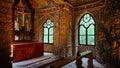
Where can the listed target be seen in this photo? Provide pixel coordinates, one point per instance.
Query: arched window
(86, 30)
(48, 31)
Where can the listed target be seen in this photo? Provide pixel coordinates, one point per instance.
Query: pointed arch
(86, 30)
(48, 31)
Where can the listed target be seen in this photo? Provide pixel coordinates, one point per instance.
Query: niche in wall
(23, 21)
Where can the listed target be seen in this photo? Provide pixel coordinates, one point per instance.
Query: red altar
(24, 51)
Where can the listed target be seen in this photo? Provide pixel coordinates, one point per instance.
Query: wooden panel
(24, 51)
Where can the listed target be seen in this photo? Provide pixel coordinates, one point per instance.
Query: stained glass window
(87, 30)
(48, 31)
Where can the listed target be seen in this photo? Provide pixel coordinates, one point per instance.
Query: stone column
(6, 32)
(65, 33)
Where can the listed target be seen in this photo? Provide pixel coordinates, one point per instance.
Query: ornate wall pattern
(99, 3)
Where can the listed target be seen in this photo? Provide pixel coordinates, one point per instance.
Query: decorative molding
(46, 11)
(100, 3)
(80, 2)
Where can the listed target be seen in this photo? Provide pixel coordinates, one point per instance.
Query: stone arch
(41, 23)
(78, 20)
(80, 16)
(55, 19)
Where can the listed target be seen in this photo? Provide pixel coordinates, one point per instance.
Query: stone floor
(36, 62)
(47, 59)
(96, 64)
(84, 64)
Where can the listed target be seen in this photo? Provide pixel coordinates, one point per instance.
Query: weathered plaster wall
(62, 19)
(66, 27)
(41, 17)
(6, 33)
(109, 16)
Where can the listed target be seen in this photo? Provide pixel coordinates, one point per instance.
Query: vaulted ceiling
(42, 3)
(80, 2)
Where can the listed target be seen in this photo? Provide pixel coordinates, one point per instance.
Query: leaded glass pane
(48, 22)
(92, 21)
(91, 40)
(45, 30)
(51, 24)
(81, 22)
(50, 39)
(87, 26)
(45, 25)
(82, 39)
(86, 18)
(82, 30)
(48, 28)
(91, 30)
(45, 39)
(51, 31)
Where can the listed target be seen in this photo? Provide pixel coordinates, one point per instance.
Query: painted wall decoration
(22, 22)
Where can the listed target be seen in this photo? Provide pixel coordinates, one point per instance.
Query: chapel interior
(68, 29)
